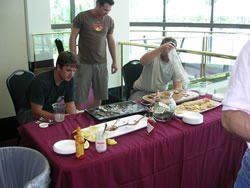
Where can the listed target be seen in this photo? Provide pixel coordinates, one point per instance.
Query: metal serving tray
(116, 110)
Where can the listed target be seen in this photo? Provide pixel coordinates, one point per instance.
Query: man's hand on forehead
(173, 44)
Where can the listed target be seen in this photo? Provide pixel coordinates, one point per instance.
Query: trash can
(23, 167)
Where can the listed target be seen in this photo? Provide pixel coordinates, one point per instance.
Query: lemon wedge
(94, 128)
(111, 142)
(91, 137)
(86, 144)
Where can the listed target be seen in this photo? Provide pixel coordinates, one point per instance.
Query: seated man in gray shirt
(50, 87)
(159, 69)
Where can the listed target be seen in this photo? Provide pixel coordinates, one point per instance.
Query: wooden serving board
(179, 96)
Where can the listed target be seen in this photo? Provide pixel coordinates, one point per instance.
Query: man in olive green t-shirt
(93, 27)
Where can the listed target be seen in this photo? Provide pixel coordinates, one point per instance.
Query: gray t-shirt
(155, 75)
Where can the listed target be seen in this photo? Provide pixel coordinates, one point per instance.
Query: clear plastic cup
(202, 88)
(59, 111)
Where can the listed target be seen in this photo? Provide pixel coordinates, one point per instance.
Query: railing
(44, 47)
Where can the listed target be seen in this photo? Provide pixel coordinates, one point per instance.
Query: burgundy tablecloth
(177, 155)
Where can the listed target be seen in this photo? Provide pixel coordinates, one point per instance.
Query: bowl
(192, 118)
(43, 125)
(164, 117)
(218, 97)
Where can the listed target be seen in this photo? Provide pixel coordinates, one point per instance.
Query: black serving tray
(116, 110)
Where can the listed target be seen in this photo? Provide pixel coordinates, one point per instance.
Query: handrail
(210, 32)
(47, 33)
(183, 50)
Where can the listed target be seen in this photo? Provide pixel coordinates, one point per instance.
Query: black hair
(102, 2)
(169, 39)
(67, 58)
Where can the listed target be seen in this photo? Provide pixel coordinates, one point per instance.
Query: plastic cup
(100, 142)
(59, 111)
(202, 88)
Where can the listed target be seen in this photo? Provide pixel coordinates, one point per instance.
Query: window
(192, 11)
(146, 10)
(60, 12)
(82, 5)
(232, 12)
(63, 11)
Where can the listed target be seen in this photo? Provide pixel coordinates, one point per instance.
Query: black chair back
(17, 83)
(59, 45)
(131, 72)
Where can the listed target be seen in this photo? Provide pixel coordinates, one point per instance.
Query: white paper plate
(218, 97)
(192, 118)
(65, 147)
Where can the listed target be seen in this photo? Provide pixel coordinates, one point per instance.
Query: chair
(23, 167)
(59, 45)
(131, 72)
(17, 83)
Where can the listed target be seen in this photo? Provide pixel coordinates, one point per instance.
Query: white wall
(120, 14)
(13, 48)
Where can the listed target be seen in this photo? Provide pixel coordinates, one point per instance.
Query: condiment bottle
(151, 123)
(157, 93)
(79, 144)
(156, 99)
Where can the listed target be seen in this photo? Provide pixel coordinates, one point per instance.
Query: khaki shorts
(88, 74)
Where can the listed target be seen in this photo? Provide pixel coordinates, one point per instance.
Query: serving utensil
(115, 127)
(105, 127)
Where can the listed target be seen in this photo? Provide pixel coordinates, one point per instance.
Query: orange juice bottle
(79, 144)
(157, 93)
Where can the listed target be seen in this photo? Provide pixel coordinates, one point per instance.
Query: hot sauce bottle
(157, 93)
(150, 123)
(79, 144)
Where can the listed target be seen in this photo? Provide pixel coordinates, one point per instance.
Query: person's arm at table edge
(237, 122)
(112, 50)
(37, 112)
(70, 107)
(177, 85)
(72, 40)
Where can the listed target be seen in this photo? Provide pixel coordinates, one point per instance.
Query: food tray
(178, 95)
(216, 104)
(89, 132)
(116, 110)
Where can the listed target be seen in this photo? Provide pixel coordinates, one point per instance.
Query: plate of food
(201, 105)
(117, 127)
(178, 95)
(116, 110)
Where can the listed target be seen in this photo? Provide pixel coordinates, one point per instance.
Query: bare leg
(96, 102)
(78, 106)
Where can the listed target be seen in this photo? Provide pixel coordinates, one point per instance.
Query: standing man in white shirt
(236, 110)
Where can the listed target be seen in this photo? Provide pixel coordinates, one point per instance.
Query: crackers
(195, 106)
